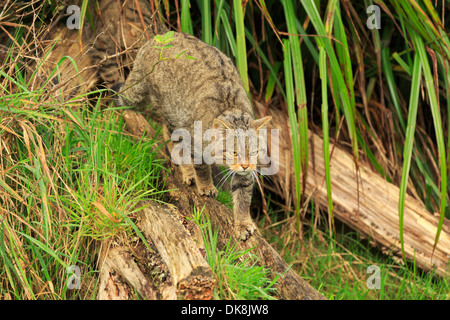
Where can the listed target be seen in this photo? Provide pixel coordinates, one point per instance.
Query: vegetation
(70, 176)
(337, 266)
(238, 274)
(67, 184)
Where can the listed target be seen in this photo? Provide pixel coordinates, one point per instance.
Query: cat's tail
(130, 94)
(117, 31)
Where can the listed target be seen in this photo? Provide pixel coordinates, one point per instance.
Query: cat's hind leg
(187, 170)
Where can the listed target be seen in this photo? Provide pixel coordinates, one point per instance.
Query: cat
(208, 89)
(118, 30)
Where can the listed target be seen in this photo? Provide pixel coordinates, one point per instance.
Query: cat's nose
(244, 166)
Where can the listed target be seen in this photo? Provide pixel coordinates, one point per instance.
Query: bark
(119, 260)
(190, 273)
(191, 277)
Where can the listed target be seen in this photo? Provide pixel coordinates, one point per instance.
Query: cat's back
(207, 59)
(209, 79)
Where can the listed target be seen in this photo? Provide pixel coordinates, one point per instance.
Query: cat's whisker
(257, 180)
(224, 178)
(222, 181)
(264, 176)
(222, 172)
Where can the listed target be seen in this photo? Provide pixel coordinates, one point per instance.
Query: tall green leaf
(299, 80)
(338, 78)
(409, 141)
(186, 23)
(290, 101)
(241, 54)
(323, 67)
(206, 22)
(435, 111)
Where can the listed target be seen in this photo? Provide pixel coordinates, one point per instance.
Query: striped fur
(208, 89)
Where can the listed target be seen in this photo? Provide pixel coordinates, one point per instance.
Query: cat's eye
(254, 153)
(233, 153)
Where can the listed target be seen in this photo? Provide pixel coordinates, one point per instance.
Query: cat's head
(243, 140)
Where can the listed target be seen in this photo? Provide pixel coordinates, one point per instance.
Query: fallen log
(191, 275)
(119, 260)
(362, 199)
(290, 285)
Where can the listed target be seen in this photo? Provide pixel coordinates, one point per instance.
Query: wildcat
(206, 89)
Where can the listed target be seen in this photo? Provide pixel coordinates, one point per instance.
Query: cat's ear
(261, 123)
(220, 124)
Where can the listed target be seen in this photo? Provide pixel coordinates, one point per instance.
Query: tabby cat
(209, 90)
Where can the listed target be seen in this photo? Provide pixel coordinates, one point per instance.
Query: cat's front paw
(208, 190)
(189, 179)
(245, 230)
(187, 173)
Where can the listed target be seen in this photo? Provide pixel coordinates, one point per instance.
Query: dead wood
(191, 277)
(118, 261)
(362, 199)
(290, 285)
(190, 273)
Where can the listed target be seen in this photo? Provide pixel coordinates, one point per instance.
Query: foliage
(370, 78)
(238, 274)
(68, 175)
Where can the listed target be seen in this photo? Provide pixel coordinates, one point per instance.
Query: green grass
(294, 127)
(238, 275)
(70, 178)
(241, 54)
(225, 197)
(300, 115)
(337, 266)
